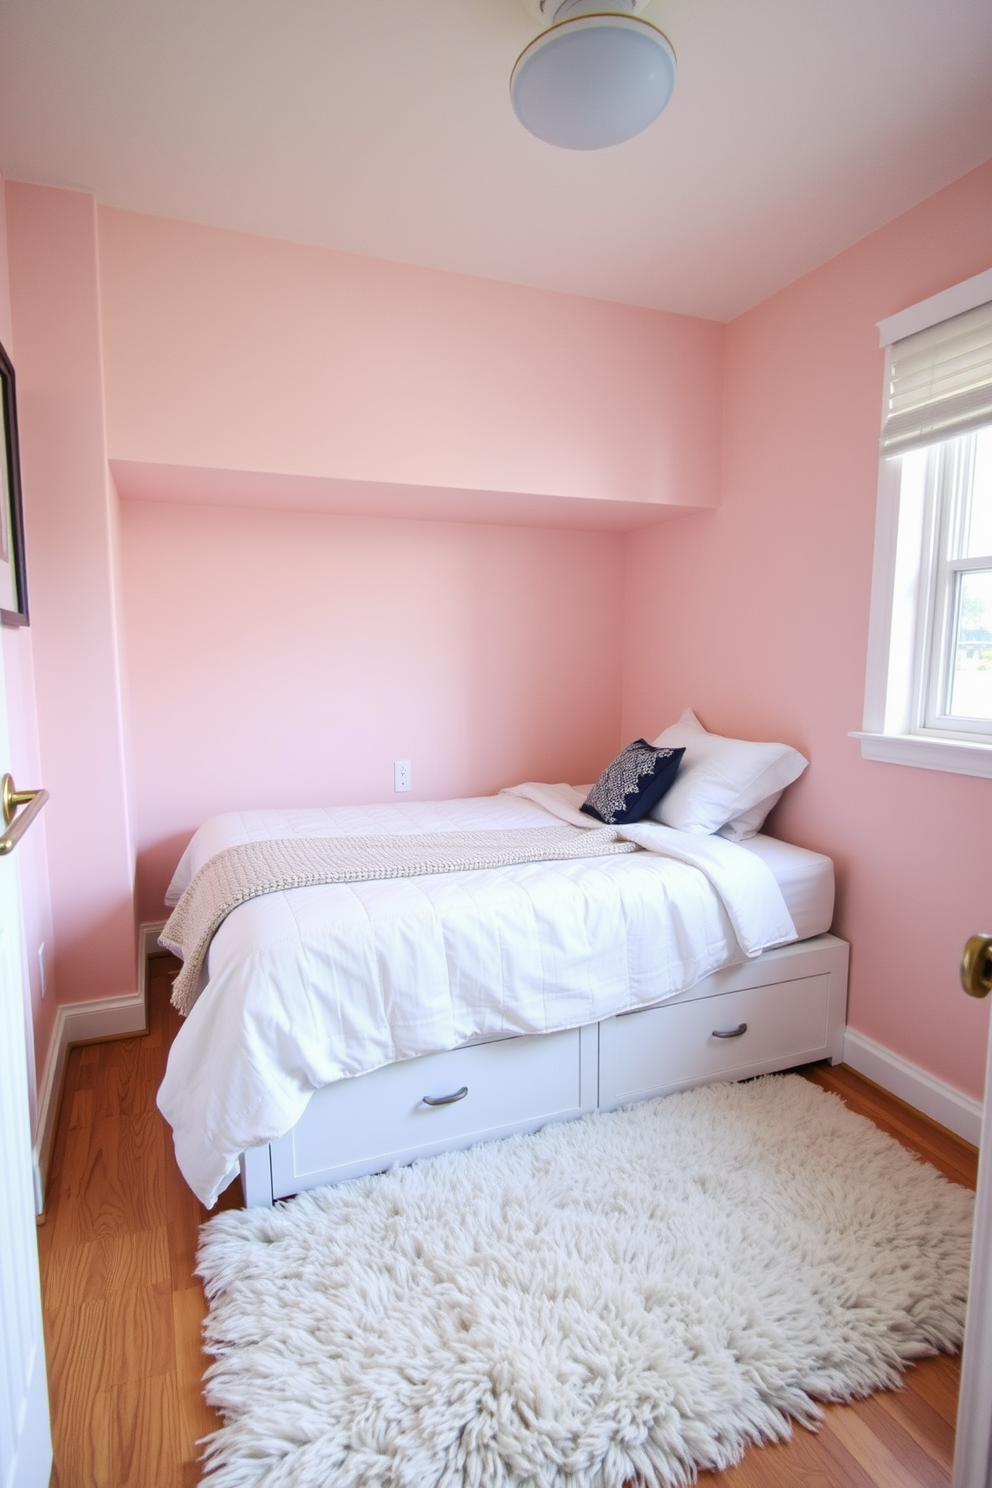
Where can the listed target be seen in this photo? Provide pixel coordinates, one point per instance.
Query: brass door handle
(976, 966)
(10, 799)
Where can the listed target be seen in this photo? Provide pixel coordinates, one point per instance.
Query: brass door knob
(976, 966)
(11, 798)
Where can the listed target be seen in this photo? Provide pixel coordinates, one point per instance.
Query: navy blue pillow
(634, 782)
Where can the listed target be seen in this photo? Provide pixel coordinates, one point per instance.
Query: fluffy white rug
(630, 1296)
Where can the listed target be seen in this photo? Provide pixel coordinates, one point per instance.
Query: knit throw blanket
(241, 873)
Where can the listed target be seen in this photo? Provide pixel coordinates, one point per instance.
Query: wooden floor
(123, 1308)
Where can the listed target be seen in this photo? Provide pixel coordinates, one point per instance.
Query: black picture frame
(13, 572)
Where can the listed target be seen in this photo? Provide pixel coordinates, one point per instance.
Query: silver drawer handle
(730, 1032)
(446, 1100)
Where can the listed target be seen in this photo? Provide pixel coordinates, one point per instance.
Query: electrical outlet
(41, 968)
(402, 775)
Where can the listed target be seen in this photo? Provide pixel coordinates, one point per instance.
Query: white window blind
(940, 382)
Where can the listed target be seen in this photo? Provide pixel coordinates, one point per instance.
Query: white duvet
(312, 985)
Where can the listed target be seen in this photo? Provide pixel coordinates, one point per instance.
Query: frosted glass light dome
(593, 81)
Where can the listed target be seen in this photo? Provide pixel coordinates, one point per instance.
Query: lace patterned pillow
(632, 783)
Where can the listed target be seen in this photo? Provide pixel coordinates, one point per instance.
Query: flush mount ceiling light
(599, 75)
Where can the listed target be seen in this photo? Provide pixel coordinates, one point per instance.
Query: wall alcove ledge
(138, 480)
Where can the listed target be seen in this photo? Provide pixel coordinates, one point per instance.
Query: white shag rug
(634, 1296)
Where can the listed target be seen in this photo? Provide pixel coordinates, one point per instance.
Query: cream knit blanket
(241, 873)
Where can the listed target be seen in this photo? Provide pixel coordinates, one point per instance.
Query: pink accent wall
(25, 762)
(274, 414)
(288, 658)
(231, 352)
(763, 605)
(70, 517)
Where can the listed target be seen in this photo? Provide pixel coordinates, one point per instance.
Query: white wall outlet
(402, 775)
(41, 969)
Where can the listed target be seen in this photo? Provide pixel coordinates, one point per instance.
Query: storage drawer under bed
(727, 1037)
(373, 1121)
(792, 999)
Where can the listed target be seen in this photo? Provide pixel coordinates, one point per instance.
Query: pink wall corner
(68, 522)
(287, 658)
(25, 765)
(122, 720)
(234, 352)
(757, 614)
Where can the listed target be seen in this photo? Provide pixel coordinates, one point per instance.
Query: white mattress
(806, 880)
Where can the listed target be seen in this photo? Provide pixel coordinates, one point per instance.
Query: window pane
(971, 658)
(978, 533)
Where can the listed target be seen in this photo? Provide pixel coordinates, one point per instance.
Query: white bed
(332, 1017)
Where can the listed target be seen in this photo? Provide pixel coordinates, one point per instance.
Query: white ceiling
(384, 127)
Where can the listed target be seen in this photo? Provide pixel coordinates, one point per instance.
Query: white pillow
(721, 779)
(750, 823)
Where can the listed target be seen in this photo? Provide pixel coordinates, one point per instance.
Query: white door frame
(973, 1442)
(25, 1427)
(25, 1431)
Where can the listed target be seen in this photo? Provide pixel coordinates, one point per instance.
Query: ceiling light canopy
(599, 76)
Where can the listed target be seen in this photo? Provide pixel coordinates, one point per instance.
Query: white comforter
(312, 985)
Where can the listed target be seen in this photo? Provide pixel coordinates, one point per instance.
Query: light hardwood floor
(123, 1308)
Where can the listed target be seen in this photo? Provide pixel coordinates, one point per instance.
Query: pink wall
(287, 658)
(351, 640)
(69, 525)
(233, 352)
(757, 616)
(25, 761)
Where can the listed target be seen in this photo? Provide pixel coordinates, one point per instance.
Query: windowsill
(926, 752)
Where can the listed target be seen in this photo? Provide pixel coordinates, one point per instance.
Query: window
(928, 697)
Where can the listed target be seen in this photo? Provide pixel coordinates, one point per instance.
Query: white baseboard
(83, 1023)
(148, 945)
(960, 1113)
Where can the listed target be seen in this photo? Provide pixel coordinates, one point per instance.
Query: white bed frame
(785, 1008)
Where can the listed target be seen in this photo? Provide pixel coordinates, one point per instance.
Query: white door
(973, 1447)
(25, 1433)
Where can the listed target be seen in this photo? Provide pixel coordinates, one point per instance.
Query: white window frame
(901, 725)
(952, 473)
